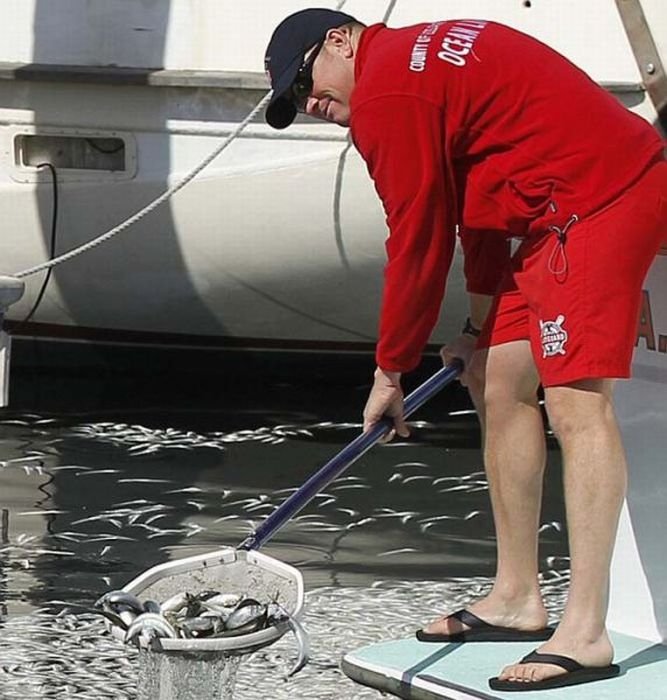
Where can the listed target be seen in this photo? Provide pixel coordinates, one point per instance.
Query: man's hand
(463, 348)
(386, 399)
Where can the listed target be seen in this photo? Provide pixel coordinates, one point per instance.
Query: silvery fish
(112, 599)
(152, 606)
(114, 618)
(174, 604)
(150, 625)
(248, 616)
(276, 613)
(224, 600)
(201, 626)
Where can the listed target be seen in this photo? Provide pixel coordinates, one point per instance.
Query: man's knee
(502, 398)
(510, 376)
(503, 391)
(579, 407)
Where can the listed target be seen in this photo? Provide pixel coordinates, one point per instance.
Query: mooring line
(155, 203)
(167, 194)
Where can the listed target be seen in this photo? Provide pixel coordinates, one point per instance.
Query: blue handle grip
(347, 456)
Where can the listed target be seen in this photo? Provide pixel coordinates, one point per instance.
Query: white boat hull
(639, 572)
(281, 240)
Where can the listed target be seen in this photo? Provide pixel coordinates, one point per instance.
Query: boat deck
(410, 669)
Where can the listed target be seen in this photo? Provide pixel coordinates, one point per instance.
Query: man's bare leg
(515, 456)
(595, 476)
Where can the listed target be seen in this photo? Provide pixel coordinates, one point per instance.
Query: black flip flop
(481, 631)
(576, 673)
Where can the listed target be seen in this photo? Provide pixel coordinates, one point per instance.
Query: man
(469, 125)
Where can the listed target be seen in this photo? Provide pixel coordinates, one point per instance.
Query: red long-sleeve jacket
(471, 124)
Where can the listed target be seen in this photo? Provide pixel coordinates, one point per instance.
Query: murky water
(97, 484)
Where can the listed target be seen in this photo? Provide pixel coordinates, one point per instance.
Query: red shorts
(578, 302)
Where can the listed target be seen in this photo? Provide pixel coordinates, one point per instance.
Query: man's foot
(563, 660)
(574, 673)
(477, 630)
(525, 615)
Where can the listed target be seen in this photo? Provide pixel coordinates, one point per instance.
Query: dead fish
(152, 606)
(115, 619)
(150, 625)
(174, 604)
(276, 613)
(125, 605)
(204, 626)
(121, 598)
(218, 611)
(184, 604)
(248, 616)
(224, 600)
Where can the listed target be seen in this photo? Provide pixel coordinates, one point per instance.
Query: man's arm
(402, 140)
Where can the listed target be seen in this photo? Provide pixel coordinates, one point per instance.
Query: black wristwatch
(469, 329)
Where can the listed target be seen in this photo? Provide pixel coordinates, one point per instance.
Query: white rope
(172, 190)
(155, 203)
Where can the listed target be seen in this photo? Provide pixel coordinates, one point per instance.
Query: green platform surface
(416, 670)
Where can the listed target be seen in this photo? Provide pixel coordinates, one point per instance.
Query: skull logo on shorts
(553, 337)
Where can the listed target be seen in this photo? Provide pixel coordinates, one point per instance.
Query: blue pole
(347, 456)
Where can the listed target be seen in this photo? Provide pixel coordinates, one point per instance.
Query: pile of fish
(204, 615)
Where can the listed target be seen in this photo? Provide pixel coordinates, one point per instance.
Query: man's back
(529, 137)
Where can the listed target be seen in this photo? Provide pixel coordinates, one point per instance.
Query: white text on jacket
(459, 41)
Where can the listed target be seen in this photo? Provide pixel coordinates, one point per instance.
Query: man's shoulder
(388, 67)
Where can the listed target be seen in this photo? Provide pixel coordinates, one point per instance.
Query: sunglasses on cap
(303, 83)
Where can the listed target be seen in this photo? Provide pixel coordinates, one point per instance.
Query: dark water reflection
(102, 478)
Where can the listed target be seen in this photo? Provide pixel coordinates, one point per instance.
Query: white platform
(416, 670)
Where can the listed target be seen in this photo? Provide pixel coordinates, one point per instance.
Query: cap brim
(281, 112)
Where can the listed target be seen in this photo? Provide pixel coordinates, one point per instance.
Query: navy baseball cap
(285, 54)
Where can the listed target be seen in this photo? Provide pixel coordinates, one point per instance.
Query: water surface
(103, 477)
